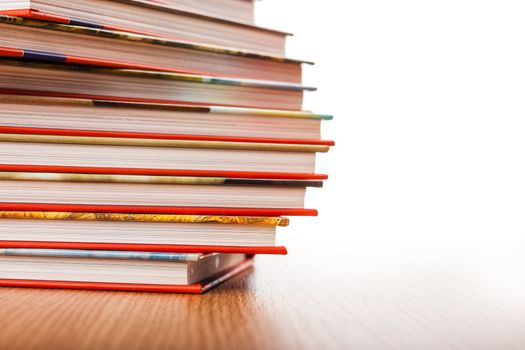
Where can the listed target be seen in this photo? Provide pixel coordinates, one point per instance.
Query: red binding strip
(135, 209)
(44, 16)
(17, 13)
(144, 135)
(103, 286)
(159, 172)
(10, 52)
(144, 247)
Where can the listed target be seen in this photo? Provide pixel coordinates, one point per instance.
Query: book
(139, 232)
(69, 80)
(21, 112)
(121, 271)
(147, 145)
(93, 189)
(236, 10)
(46, 41)
(58, 152)
(22, 149)
(163, 21)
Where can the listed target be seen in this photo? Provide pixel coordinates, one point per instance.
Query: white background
(429, 106)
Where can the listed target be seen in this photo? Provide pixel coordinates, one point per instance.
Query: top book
(193, 21)
(233, 10)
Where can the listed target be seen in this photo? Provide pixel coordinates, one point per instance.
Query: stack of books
(147, 155)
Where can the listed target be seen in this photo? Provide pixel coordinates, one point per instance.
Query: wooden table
(355, 294)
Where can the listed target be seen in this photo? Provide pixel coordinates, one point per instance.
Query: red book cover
(132, 209)
(279, 250)
(156, 136)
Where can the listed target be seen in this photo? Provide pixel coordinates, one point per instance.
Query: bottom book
(118, 270)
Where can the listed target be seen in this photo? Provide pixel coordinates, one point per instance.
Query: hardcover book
(146, 86)
(163, 21)
(147, 145)
(22, 149)
(119, 271)
(233, 10)
(166, 121)
(169, 191)
(132, 231)
(54, 42)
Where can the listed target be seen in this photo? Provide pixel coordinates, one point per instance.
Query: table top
(363, 294)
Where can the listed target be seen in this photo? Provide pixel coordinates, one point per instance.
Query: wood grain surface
(356, 295)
